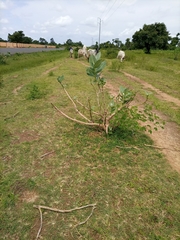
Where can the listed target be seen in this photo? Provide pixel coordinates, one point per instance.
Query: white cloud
(63, 21)
(77, 31)
(4, 20)
(92, 33)
(2, 5)
(107, 33)
(90, 21)
(129, 31)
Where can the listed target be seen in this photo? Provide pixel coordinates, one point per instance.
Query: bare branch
(41, 222)
(39, 207)
(78, 121)
(44, 155)
(64, 211)
(82, 105)
(75, 106)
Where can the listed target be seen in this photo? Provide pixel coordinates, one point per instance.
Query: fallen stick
(127, 147)
(39, 207)
(44, 155)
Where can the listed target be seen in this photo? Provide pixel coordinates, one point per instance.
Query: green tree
(16, 37)
(175, 42)
(151, 36)
(43, 41)
(128, 44)
(35, 42)
(27, 40)
(69, 42)
(2, 40)
(52, 42)
(117, 42)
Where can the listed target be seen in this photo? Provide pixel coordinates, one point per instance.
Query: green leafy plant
(109, 112)
(51, 73)
(2, 59)
(35, 93)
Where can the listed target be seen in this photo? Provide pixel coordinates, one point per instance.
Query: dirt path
(161, 95)
(167, 140)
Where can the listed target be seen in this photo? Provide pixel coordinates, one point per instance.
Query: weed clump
(35, 93)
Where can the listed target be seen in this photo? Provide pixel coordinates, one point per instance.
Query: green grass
(136, 191)
(159, 69)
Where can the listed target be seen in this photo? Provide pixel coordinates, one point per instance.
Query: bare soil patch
(49, 70)
(16, 90)
(26, 136)
(29, 196)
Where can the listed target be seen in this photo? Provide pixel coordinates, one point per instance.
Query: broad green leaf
(90, 72)
(60, 79)
(98, 56)
(92, 60)
(102, 66)
(122, 89)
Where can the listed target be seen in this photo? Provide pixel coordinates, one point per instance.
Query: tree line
(153, 36)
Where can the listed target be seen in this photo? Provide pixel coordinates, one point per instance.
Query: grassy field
(51, 161)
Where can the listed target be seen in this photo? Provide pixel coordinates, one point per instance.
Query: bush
(111, 53)
(109, 112)
(35, 93)
(2, 59)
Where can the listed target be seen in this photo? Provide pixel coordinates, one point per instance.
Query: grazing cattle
(83, 52)
(92, 52)
(121, 55)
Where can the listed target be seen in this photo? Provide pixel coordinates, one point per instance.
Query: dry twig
(44, 155)
(39, 207)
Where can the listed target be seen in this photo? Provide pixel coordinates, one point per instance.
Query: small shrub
(35, 93)
(75, 51)
(50, 74)
(2, 59)
(111, 111)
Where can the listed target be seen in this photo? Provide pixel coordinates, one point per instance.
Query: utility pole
(99, 32)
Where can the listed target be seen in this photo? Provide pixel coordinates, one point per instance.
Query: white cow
(121, 55)
(92, 52)
(83, 52)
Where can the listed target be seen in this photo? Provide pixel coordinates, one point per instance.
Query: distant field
(51, 161)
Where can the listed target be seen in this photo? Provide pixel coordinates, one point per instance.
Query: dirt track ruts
(167, 140)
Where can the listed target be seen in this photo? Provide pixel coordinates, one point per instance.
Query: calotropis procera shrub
(109, 112)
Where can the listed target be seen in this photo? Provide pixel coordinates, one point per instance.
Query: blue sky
(79, 20)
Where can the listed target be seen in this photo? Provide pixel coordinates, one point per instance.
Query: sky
(88, 21)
